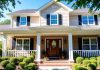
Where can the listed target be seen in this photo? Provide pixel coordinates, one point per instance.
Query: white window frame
(88, 20)
(22, 42)
(90, 41)
(57, 19)
(20, 21)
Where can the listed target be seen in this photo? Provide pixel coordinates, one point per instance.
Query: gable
(57, 3)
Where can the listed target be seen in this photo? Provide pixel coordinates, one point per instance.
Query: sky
(26, 4)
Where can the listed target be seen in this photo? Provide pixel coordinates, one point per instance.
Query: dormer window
(23, 21)
(88, 20)
(54, 19)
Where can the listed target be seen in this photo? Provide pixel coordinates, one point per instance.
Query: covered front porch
(54, 43)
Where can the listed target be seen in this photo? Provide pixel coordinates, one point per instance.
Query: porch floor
(55, 64)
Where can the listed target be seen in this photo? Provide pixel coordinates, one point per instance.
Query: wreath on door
(53, 43)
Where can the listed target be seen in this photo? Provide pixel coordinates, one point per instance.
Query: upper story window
(23, 21)
(54, 19)
(88, 20)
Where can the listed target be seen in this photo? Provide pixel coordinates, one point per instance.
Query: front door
(53, 47)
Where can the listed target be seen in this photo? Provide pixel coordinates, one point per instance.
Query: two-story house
(55, 29)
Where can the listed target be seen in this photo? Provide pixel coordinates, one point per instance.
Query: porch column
(4, 45)
(38, 54)
(70, 44)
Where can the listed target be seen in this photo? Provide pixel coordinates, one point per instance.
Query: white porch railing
(17, 53)
(87, 53)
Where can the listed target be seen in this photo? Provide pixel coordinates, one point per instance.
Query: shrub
(0, 59)
(22, 64)
(86, 62)
(33, 54)
(92, 66)
(98, 60)
(75, 66)
(32, 58)
(4, 63)
(93, 61)
(10, 66)
(21, 58)
(30, 66)
(0, 52)
(14, 60)
(79, 59)
(93, 58)
(81, 68)
(27, 60)
(5, 58)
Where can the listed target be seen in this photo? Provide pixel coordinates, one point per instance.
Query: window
(89, 43)
(23, 21)
(54, 19)
(22, 44)
(88, 20)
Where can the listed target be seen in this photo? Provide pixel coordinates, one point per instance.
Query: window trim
(90, 42)
(20, 21)
(57, 19)
(88, 20)
(22, 42)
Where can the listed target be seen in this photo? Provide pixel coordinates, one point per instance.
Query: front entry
(53, 48)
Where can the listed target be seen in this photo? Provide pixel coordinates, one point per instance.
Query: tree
(7, 21)
(4, 5)
(92, 4)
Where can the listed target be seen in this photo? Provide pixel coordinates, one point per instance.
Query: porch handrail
(17, 53)
(86, 53)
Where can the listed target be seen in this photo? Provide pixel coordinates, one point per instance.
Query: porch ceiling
(76, 30)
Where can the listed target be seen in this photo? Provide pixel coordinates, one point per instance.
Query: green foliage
(27, 60)
(98, 60)
(0, 51)
(93, 58)
(30, 66)
(86, 62)
(93, 61)
(13, 60)
(79, 59)
(75, 66)
(92, 4)
(92, 66)
(5, 5)
(5, 58)
(7, 21)
(32, 58)
(22, 64)
(81, 68)
(0, 44)
(10, 66)
(4, 63)
(21, 58)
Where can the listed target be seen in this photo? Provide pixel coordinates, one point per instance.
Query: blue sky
(27, 4)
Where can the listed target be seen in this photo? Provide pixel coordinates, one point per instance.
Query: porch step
(55, 65)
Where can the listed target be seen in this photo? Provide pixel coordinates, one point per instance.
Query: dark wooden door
(53, 47)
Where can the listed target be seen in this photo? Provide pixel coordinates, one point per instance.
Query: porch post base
(71, 60)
